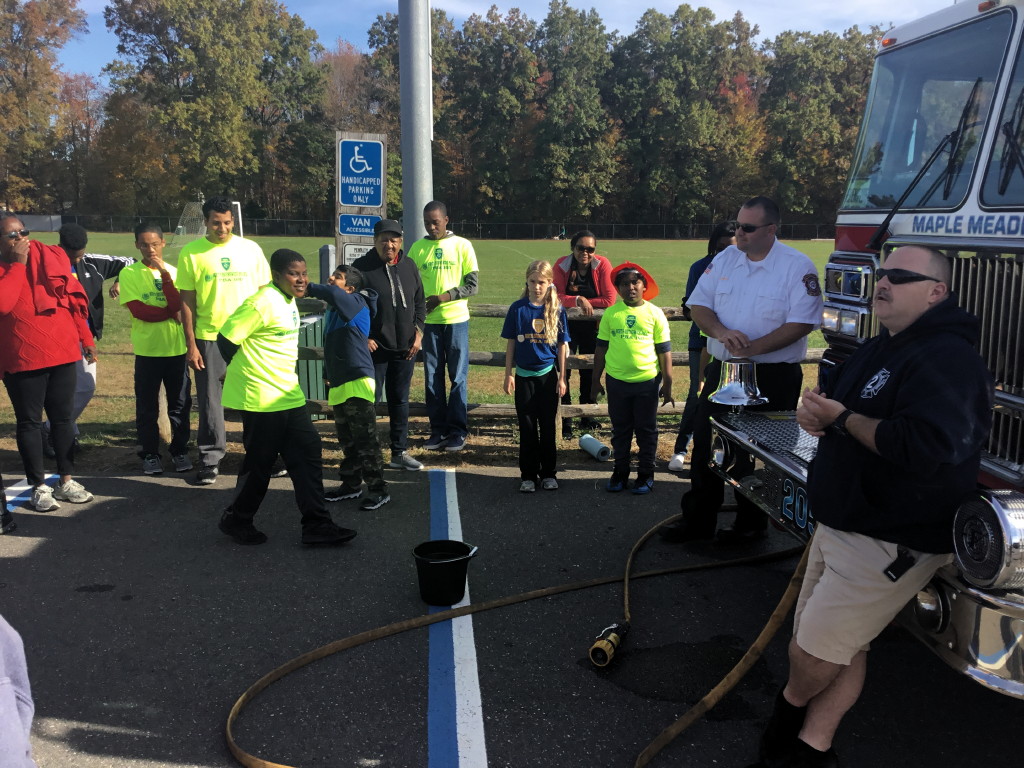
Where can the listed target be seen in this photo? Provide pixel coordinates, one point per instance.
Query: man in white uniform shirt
(758, 299)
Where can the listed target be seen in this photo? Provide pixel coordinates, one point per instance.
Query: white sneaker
(678, 463)
(549, 484)
(527, 486)
(42, 499)
(404, 461)
(73, 492)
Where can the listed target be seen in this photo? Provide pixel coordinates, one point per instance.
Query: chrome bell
(737, 385)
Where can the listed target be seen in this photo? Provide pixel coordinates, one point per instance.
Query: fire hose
(664, 738)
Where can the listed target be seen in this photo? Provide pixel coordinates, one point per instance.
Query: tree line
(562, 119)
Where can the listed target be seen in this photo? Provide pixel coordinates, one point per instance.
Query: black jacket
(346, 354)
(92, 270)
(933, 394)
(401, 305)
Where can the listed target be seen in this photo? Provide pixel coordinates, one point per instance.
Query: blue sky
(350, 19)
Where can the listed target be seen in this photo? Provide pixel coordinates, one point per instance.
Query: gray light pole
(417, 113)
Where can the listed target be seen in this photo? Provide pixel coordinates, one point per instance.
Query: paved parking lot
(143, 625)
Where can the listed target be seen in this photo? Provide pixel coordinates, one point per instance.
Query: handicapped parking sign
(361, 173)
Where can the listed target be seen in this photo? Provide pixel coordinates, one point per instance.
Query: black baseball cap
(387, 225)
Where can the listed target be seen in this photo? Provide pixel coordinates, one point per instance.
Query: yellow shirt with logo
(442, 265)
(632, 333)
(223, 276)
(261, 376)
(162, 339)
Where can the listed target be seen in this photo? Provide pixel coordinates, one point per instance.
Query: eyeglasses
(17, 233)
(901, 276)
(586, 248)
(748, 228)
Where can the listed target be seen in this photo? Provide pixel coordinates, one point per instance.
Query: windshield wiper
(956, 161)
(953, 138)
(1012, 156)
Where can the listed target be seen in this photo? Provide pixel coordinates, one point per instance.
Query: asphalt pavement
(143, 624)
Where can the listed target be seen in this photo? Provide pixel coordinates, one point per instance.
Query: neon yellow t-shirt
(222, 276)
(165, 338)
(261, 376)
(631, 333)
(364, 388)
(442, 265)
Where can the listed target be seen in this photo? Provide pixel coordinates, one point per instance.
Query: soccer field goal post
(192, 223)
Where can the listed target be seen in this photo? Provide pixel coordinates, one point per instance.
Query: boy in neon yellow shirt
(449, 270)
(634, 347)
(148, 292)
(260, 342)
(217, 273)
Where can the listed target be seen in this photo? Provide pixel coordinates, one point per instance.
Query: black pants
(633, 409)
(291, 435)
(781, 383)
(584, 341)
(536, 408)
(393, 379)
(52, 389)
(150, 373)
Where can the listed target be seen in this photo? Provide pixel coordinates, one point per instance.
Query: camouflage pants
(356, 422)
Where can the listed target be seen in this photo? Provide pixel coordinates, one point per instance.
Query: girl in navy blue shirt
(537, 334)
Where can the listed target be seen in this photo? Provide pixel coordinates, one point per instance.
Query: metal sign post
(361, 175)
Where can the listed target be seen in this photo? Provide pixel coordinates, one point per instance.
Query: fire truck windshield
(917, 98)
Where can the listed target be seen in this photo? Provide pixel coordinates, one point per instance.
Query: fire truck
(939, 162)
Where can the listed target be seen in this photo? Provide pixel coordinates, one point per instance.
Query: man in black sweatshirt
(396, 331)
(901, 425)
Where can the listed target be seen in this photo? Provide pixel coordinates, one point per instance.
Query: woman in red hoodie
(44, 327)
(583, 280)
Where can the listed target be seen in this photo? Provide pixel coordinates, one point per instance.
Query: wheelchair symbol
(358, 163)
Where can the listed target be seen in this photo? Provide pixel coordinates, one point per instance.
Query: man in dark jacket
(396, 331)
(91, 269)
(902, 425)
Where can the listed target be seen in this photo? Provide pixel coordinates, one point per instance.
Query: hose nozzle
(607, 643)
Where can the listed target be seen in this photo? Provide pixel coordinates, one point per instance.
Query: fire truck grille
(991, 286)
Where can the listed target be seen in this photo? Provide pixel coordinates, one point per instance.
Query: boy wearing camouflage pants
(348, 368)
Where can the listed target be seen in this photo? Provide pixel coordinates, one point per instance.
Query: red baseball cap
(650, 287)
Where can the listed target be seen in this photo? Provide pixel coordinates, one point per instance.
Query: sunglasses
(748, 228)
(17, 233)
(586, 248)
(902, 276)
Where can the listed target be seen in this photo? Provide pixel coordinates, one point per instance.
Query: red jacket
(601, 269)
(43, 312)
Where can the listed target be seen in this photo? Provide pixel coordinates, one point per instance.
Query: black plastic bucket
(441, 566)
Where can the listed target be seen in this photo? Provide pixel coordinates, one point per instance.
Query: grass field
(110, 417)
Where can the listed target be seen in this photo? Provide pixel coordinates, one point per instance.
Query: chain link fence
(474, 230)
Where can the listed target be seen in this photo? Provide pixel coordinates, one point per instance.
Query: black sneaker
(207, 475)
(242, 531)
(325, 535)
(342, 492)
(375, 501)
(7, 523)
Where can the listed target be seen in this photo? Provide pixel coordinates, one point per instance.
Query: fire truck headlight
(931, 609)
(830, 319)
(849, 323)
(720, 454)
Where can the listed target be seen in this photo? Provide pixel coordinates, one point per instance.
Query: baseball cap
(387, 225)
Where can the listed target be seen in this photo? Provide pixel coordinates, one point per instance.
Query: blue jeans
(690, 408)
(446, 346)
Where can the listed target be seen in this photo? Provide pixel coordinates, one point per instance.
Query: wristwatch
(839, 425)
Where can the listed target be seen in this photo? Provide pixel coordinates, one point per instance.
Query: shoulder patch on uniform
(711, 264)
(812, 285)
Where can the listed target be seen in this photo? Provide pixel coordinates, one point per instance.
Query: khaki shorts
(846, 600)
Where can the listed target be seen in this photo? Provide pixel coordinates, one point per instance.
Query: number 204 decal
(795, 506)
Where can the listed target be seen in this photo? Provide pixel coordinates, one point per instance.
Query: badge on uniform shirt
(875, 384)
(630, 321)
(538, 325)
(520, 338)
(812, 285)
(225, 263)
